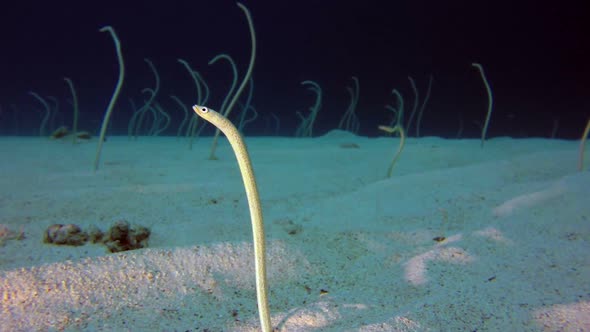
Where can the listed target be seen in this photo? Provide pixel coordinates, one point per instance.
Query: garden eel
(399, 129)
(237, 144)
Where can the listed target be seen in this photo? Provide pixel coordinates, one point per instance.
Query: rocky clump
(119, 237)
(68, 234)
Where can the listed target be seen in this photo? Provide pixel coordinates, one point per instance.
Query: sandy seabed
(348, 248)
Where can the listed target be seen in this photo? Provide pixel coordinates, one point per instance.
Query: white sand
(516, 217)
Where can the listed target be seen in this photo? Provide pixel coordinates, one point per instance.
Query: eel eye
(204, 109)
